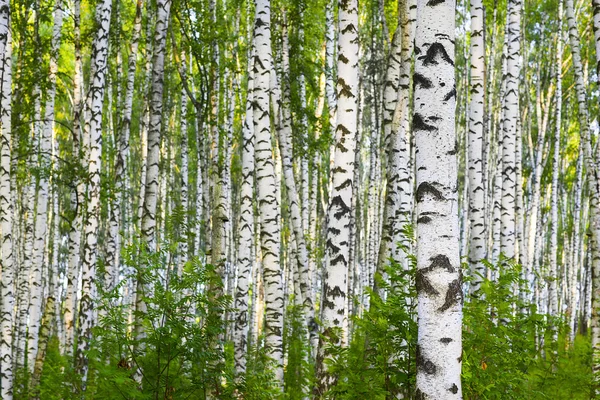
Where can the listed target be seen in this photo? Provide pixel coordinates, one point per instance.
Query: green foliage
(508, 350)
(299, 371)
(380, 360)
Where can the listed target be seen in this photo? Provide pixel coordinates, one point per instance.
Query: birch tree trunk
(77, 193)
(113, 246)
(438, 277)
(267, 189)
(334, 295)
(509, 131)
(285, 146)
(148, 230)
(246, 231)
(93, 128)
(555, 171)
(6, 212)
(35, 307)
(477, 229)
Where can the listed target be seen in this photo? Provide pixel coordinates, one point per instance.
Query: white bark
(267, 189)
(334, 296)
(7, 285)
(246, 231)
(36, 297)
(477, 229)
(285, 146)
(77, 194)
(509, 132)
(154, 138)
(438, 278)
(93, 128)
(555, 172)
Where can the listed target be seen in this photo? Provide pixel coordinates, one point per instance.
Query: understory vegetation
(508, 351)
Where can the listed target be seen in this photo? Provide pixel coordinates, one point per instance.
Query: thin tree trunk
(267, 189)
(509, 131)
(7, 284)
(334, 302)
(477, 228)
(93, 128)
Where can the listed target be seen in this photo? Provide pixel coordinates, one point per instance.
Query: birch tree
(334, 300)
(509, 131)
(6, 212)
(438, 277)
(93, 129)
(267, 189)
(477, 247)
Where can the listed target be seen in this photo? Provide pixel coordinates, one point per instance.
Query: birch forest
(300, 199)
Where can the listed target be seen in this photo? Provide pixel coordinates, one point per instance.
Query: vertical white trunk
(93, 128)
(7, 285)
(267, 188)
(76, 195)
(334, 301)
(477, 229)
(183, 240)
(509, 131)
(285, 146)
(593, 178)
(555, 172)
(396, 128)
(35, 306)
(438, 277)
(148, 229)
(113, 246)
(246, 231)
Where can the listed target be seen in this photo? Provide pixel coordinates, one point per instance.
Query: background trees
(184, 183)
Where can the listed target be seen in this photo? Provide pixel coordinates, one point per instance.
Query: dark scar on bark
(425, 365)
(433, 50)
(420, 125)
(423, 284)
(427, 188)
(454, 388)
(423, 220)
(422, 81)
(453, 295)
(450, 94)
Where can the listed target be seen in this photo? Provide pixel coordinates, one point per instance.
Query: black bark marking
(433, 50)
(423, 284)
(454, 150)
(450, 94)
(423, 364)
(420, 125)
(433, 3)
(453, 295)
(440, 261)
(345, 88)
(343, 58)
(427, 188)
(420, 395)
(454, 388)
(446, 340)
(423, 220)
(422, 81)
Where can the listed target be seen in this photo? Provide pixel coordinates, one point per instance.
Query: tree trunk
(477, 230)
(334, 301)
(509, 131)
(267, 189)
(93, 128)
(438, 277)
(7, 284)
